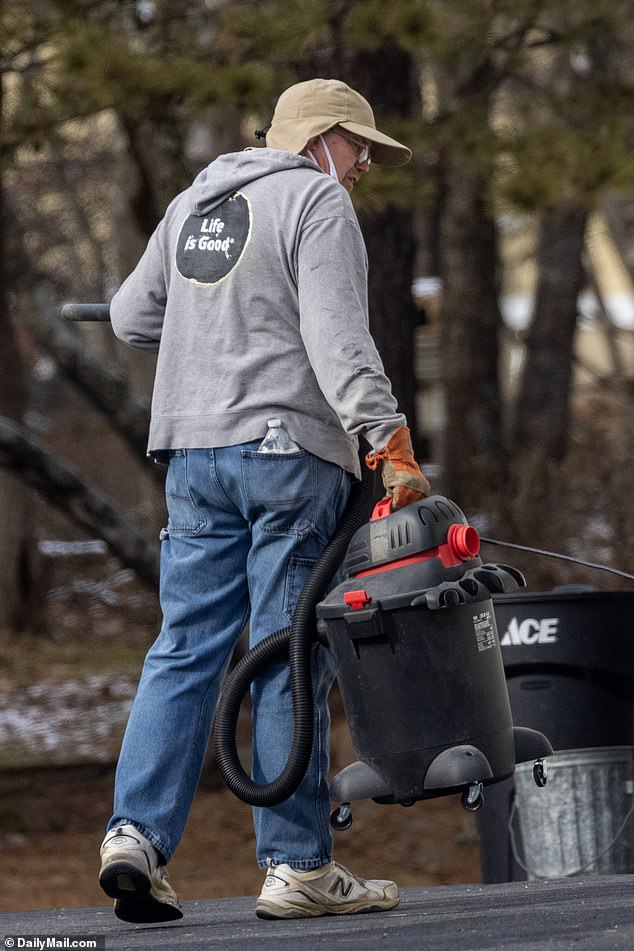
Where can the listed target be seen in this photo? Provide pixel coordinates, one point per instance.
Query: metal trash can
(582, 822)
(568, 657)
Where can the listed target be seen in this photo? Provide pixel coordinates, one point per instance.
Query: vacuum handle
(86, 312)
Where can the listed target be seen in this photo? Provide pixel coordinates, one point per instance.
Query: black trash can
(568, 658)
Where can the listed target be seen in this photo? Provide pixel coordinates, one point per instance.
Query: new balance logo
(530, 631)
(339, 885)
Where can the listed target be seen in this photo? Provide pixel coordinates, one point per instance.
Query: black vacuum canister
(418, 658)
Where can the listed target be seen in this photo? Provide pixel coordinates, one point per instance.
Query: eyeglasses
(363, 150)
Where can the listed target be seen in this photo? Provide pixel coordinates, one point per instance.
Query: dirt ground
(51, 826)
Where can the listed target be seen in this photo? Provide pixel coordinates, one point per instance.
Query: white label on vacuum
(484, 630)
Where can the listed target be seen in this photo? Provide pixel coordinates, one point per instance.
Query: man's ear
(312, 144)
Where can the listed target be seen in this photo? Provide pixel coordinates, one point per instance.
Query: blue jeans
(243, 532)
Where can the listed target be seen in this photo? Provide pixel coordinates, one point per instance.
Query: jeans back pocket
(283, 486)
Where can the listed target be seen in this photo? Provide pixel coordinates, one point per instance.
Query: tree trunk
(386, 77)
(13, 501)
(474, 458)
(393, 316)
(542, 420)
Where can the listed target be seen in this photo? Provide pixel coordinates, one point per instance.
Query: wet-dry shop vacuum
(419, 668)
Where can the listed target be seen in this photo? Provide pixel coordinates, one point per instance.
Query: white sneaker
(132, 875)
(329, 890)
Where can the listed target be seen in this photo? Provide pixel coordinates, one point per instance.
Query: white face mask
(332, 171)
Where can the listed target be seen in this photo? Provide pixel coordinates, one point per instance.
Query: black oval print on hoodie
(209, 246)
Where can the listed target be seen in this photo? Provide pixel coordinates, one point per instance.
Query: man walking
(253, 290)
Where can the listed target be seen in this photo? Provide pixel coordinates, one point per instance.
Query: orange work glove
(402, 478)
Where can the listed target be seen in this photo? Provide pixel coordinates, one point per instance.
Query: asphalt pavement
(573, 914)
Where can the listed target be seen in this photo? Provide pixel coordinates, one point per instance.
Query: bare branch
(103, 383)
(517, 37)
(59, 483)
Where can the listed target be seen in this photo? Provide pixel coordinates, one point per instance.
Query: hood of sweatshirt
(231, 172)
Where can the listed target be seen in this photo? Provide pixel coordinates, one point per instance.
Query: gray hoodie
(253, 289)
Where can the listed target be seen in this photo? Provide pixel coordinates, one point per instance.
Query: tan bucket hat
(310, 108)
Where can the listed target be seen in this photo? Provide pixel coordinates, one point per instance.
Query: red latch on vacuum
(382, 508)
(357, 599)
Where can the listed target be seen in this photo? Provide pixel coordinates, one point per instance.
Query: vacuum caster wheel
(472, 798)
(341, 817)
(540, 773)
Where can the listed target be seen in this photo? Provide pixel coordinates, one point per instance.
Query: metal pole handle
(86, 312)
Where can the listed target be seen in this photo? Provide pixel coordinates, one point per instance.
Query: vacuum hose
(296, 640)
